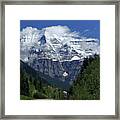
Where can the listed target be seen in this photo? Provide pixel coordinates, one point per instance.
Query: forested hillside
(85, 87)
(32, 86)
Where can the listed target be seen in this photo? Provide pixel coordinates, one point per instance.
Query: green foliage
(24, 85)
(32, 89)
(39, 95)
(87, 85)
(32, 86)
(22, 97)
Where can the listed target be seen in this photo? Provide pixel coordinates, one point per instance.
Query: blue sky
(86, 28)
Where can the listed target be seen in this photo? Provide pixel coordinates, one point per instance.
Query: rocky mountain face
(56, 51)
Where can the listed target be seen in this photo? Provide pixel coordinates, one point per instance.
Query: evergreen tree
(87, 85)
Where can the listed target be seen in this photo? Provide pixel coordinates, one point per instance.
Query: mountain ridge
(52, 40)
(56, 52)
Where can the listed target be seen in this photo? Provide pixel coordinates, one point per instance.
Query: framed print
(60, 60)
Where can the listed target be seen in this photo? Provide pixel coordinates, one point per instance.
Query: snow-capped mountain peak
(56, 51)
(56, 42)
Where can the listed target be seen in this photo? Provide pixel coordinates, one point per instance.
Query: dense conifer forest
(87, 85)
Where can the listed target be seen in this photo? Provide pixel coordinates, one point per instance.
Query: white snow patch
(65, 74)
(26, 59)
(75, 58)
(37, 50)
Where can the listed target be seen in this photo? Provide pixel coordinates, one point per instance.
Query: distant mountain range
(56, 52)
